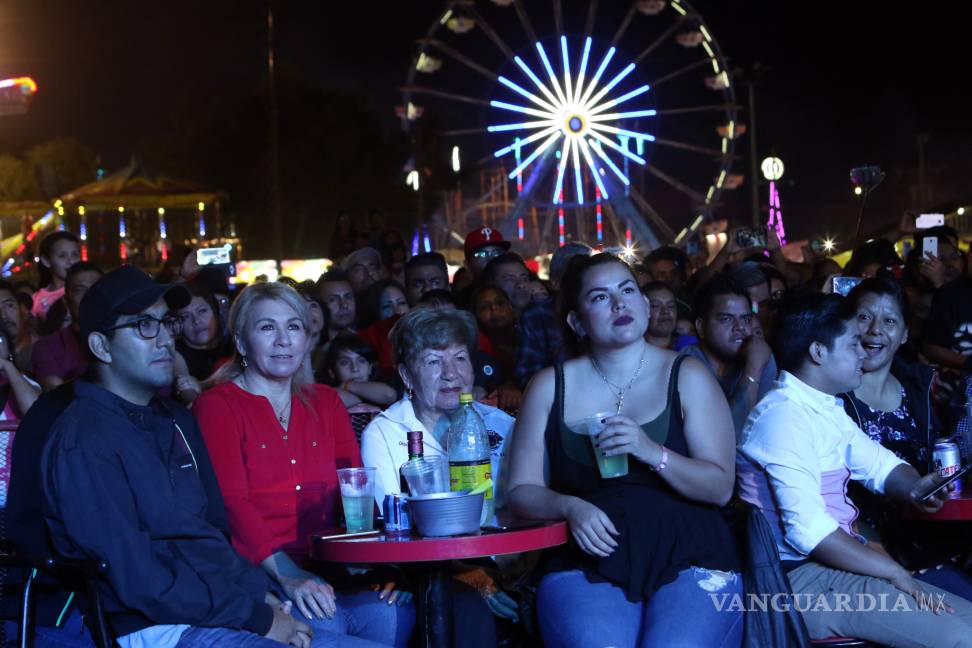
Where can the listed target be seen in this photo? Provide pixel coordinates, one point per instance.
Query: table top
(381, 548)
(954, 510)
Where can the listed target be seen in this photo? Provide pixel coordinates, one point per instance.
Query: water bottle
(469, 457)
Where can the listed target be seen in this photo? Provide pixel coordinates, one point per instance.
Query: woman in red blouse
(276, 445)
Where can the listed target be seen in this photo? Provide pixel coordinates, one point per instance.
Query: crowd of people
(189, 433)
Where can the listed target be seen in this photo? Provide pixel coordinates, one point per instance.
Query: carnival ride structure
(616, 115)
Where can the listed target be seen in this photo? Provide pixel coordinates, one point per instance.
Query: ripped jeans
(576, 613)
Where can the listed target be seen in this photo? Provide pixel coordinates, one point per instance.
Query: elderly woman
(276, 443)
(650, 543)
(432, 348)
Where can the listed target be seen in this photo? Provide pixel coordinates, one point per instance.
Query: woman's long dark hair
(369, 305)
(569, 297)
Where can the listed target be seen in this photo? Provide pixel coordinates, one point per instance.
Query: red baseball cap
(482, 237)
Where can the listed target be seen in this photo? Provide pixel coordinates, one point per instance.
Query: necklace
(278, 412)
(618, 390)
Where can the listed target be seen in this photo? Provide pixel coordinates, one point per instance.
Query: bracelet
(664, 461)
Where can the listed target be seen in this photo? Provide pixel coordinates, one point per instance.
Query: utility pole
(753, 156)
(278, 251)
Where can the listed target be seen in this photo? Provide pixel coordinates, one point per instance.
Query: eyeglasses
(486, 253)
(149, 327)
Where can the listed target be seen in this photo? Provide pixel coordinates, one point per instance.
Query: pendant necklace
(618, 390)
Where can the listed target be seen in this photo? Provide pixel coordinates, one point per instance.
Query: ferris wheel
(584, 110)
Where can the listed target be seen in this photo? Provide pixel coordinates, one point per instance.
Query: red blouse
(280, 486)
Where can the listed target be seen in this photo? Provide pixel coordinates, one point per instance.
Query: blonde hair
(240, 317)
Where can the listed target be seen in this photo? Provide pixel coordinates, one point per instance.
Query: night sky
(847, 82)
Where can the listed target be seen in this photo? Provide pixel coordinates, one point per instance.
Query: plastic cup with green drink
(358, 496)
(592, 426)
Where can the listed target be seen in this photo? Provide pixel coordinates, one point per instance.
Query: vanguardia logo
(830, 602)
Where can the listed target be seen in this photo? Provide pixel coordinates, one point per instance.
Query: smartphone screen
(213, 256)
(843, 285)
(744, 237)
(926, 221)
(929, 245)
(760, 238)
(953, 477)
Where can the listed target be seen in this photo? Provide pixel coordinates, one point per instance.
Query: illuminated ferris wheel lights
(583, 65)
(551, 75)
(597, 75)
(561, 170)
(520, 143)
(614, 102)
(628, 154)
(577, 116)
(536, 153)
(536, 80)
(519, 109)
(585, 149)
(615, 81)
(532, 97)
(577, 174)
(623, 131)
(568, 90)
(597, 149)
(625, 115)
(521, 126)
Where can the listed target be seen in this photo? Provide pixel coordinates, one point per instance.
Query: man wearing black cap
(123, 481)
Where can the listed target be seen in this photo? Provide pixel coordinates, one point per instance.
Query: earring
(409, 393)
(243, 361)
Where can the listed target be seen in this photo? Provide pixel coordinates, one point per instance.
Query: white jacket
(384, 445)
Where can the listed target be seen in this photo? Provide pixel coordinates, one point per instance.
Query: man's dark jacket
(120, 485)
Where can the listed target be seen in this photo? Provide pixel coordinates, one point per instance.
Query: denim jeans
(361, 621)
(575, 613)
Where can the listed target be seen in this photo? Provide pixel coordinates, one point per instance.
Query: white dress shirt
(799, 449)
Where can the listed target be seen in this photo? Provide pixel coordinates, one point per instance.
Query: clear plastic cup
(427, 476)
(358, 497)
(591, 426)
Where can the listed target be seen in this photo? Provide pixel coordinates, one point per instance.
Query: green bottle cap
(465, 399)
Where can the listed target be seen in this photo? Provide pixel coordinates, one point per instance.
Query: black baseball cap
(124, 291)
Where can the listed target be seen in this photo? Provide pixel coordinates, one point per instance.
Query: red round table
(433, 555)
(954, 510)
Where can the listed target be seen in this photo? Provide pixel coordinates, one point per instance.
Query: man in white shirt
(798, 451)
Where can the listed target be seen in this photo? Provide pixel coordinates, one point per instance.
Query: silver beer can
(947, 460)
(395, 510)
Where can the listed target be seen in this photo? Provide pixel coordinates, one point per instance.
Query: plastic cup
(609, 467)
(358, 497)
(427, 476)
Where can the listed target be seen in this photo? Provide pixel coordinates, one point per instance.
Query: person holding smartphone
(893, 407)
(799, 451)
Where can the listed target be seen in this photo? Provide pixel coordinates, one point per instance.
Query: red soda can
(947, 460)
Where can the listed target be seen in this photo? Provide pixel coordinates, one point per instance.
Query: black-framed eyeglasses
(148, 327)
